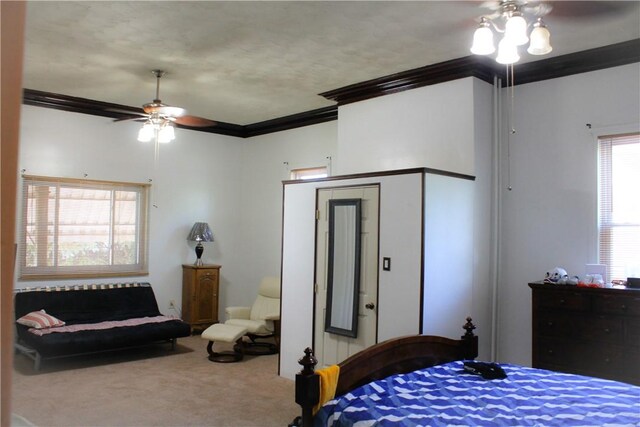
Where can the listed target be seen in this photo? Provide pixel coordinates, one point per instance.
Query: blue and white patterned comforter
(445, 396)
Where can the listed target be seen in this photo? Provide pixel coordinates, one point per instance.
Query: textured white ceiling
(245, 62)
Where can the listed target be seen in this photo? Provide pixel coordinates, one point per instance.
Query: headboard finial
(469, 327)
(308, 362)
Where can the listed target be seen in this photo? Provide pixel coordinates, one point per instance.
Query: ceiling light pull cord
(512, 129)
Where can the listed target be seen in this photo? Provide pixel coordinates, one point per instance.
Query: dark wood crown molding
(579, 62)
(485, 68)
(480, 67)
(106, 109)
(469, 66)
(307, 118)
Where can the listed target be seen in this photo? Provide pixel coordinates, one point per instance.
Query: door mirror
(343, 270)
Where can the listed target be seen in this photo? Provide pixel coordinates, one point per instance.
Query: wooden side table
(200, 285)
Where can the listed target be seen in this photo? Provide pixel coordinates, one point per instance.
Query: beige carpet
(154, 387)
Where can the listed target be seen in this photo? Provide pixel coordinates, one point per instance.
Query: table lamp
(200, 232)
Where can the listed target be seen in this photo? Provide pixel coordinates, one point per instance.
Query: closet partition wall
(421, 211)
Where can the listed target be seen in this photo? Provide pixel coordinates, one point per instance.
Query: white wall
(549, 218)
(233, 184)
(262, 170)
(195, 179)
(432, 126)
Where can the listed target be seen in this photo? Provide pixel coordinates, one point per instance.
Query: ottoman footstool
(225, 333)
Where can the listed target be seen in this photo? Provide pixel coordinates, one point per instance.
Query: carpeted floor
(154, 386)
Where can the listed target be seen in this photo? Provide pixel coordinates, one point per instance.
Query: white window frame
(607, 222)
(46, 267)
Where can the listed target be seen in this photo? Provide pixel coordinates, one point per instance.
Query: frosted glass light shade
(483, 40)
(516, 30)
(146, 132)
(507, 52)
(540, 39)
(166, 134)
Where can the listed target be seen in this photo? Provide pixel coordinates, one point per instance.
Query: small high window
(309, 173)
(619, 205)
(82, 228)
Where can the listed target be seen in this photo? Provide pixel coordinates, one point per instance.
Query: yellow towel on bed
(328, 383)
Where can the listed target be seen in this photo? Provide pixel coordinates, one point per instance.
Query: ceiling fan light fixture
(507, 52)
(483, 39)
(510, 19)
(166, 133)
(540, 39)
(147, 132)
(516, 29)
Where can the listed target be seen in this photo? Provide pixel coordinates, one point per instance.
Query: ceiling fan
(159, 117)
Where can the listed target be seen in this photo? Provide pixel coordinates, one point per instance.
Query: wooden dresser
(200, 284)
(587, 331)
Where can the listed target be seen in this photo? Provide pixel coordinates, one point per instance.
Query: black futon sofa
(86, 305)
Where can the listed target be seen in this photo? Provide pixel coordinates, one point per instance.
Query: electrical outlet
(172, 304)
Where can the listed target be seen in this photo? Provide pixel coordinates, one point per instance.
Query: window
(82, 228)
(619, 205)
(309, 173)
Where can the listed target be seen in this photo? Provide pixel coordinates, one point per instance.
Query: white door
(331, 348)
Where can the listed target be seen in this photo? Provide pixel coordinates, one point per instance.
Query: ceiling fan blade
(194, 121)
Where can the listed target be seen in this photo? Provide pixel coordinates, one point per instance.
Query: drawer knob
(623, 307)
(607, 360)
(563, 301)
(550, 323)
(550, 351)
(607, 330)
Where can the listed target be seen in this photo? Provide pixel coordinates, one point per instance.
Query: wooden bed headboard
(397, 355)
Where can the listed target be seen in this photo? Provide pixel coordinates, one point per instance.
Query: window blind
(82, 228)
(619, 205)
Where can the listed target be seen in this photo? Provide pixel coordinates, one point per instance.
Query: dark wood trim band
(579, 62)
(485, 68)
(470, 66)
(293, 121)
(481, 67)
(383, 173)
(76, 104)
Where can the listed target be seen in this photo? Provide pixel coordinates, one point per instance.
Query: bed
(422, 380)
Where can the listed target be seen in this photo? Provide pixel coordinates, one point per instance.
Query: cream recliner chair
(262, 320)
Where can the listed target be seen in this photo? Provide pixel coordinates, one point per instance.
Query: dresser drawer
(617, 304)
(602, 361)
(632, 332)
(554, 352)
(601, 329)
(555, 325)
(573, 301)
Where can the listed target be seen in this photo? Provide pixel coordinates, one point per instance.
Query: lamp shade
(507, 52)
(516, 29)
(483, 39)
(166, 133)
(146, 132)
(540, 39)
(200, 232)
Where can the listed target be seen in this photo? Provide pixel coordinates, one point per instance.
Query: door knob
(370, 306)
